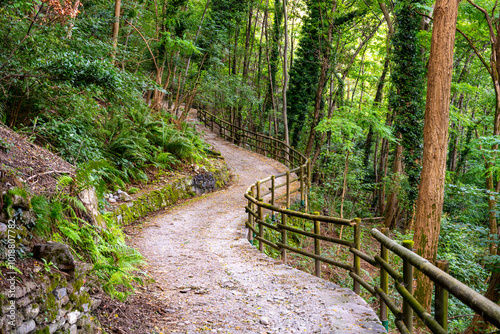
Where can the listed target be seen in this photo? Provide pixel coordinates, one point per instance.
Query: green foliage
(114, 263)
(304, 74)
(224, 92)
(78, 71)
(407, 95)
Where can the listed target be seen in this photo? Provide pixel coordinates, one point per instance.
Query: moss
(77, 284)
(43, 331)
(50, 307)
(79, 299)
(56, 280)
(158, 199)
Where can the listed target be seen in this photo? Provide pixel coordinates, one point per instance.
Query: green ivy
(408, 89)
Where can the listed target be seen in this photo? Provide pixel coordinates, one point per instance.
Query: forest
(396, 103)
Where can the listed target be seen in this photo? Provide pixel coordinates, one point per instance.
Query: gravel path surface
(217, 282)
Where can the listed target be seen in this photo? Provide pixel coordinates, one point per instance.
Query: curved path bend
(216, 282)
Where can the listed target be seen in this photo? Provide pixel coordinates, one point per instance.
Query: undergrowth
(61, 218)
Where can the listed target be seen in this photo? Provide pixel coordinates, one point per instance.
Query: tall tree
(406, 101)
(431, 192)
(285, 73)
(304, 74)
(116, 24)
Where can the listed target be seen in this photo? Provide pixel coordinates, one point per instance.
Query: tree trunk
(391, 208)
(478, 325)
(285, 73)
(247, 44)
(431, 192)
(116, 25)
(344, 184)
(323, 78)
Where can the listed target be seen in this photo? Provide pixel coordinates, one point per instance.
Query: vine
(407, 98)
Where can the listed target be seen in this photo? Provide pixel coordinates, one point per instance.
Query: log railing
(277, 217)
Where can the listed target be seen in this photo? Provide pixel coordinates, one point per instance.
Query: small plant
(5, 146)
(133, 190)
(10, 266)
(47, 266)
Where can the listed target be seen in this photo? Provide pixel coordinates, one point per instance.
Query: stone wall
(186, 187)
(53, 297)
(51, 302)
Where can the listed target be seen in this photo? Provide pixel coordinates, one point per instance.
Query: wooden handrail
(403, 282)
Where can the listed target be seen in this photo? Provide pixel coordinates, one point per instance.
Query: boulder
(57, 253)
(125, 197)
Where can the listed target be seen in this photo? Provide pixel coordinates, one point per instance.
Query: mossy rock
(45, 330)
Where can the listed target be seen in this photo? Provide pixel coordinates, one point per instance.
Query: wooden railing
(277, 222)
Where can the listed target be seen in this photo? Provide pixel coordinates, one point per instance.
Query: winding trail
(217, 282)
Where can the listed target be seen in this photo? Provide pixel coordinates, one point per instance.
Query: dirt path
(215, 281)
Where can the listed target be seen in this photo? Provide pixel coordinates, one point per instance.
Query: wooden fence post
(408, 283)
(308, 184)
(384, 282)
(288, 189)
(273, 189)
(260, 219)
(317, 246)
(301, 176)
(357, 245)
(441, 298)
(250, 217)
(284, 238)
(231, 132)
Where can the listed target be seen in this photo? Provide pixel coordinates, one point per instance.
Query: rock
(30, 286)
(111, 200)
(125, 197)
(55, 326)
(20, 202)
(31, 311)
(26, 327)
(204, 182)
(73, 317)
(89, 199)
(60, 293)
(264, 321)
(73, 329)
(85, 307)
(60, 314)
(19, 292)
(94, 303)
(22, 302)
(185, 290)
(57, 253)
(3, 231)
(64, 300)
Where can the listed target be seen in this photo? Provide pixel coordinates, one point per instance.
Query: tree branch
(488, 19)
(145, 41)
(476, 51)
